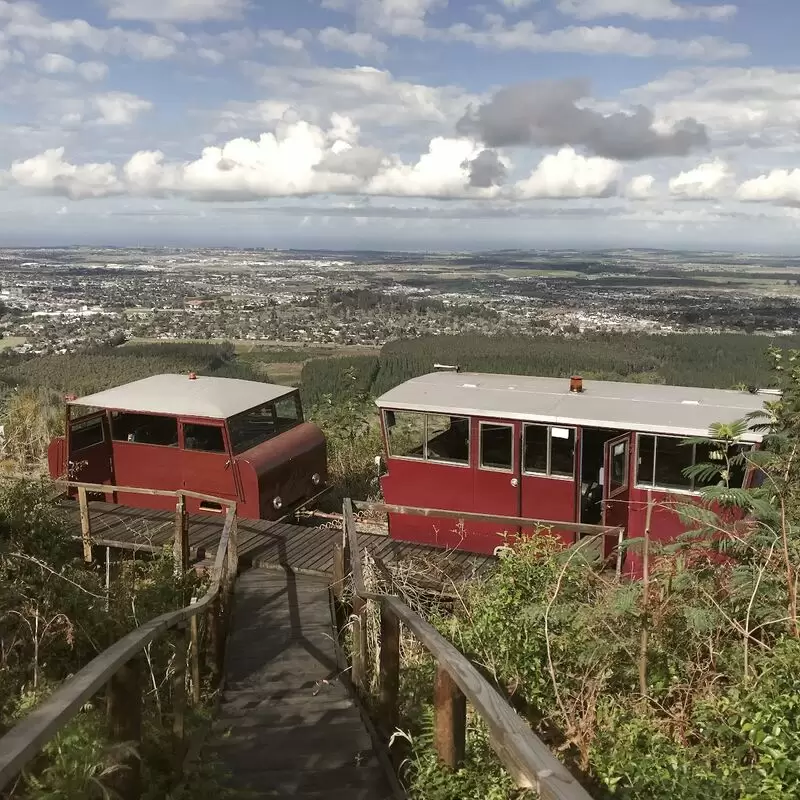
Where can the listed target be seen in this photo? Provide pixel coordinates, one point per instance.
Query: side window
(618, 479)
(497, 446)
(288, 412)
(447, 439)
(672, 458)
(562, 452)
(405, 431)
(144, 428)
(535, 456)
(646, 459)
(85, 434)
(205, 438)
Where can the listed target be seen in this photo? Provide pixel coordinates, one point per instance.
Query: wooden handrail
(472, 516)
(21, 744)
(522, 753)
(105, 488)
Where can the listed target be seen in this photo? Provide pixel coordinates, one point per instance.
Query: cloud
(297, 160)
(93, 71)
(487, 169)
(705, 182)
(275, 38)
(395, 17)
(758, 106)
(547, 114)
(55, 63)
(597, 40)
(175, 10)
(568, 175)
(666, 10)
(641, 187)
(515, 5)
(48, 172)
(119, 108)
(360, 44)
(362, 162)
(780, 186)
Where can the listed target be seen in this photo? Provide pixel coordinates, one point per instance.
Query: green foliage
(715, 360)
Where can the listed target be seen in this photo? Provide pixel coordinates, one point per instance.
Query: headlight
(277, 503)
(315, 479)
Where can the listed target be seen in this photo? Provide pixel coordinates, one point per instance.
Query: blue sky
(426, 124)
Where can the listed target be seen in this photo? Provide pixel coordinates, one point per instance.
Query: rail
(119, 665)
(522, 753)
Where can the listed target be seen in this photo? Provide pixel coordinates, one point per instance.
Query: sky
(401, 124)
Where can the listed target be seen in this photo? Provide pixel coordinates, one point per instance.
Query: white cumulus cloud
(568, 174)
(119, 108)
(175, 10)
(667, 10)
(705, 182)
(54, 63)
(642, 187)
(781, 186)
(360, 43)
(50, 173)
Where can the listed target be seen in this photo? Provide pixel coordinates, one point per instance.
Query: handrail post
(125, 727)
(233, 551)
(450, 719)
(179, 700)
(359, 621)
(389, 670)
(194, 629)
(180, 544)
(86, 525)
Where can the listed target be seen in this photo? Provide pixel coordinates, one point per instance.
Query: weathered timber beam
(471, 516)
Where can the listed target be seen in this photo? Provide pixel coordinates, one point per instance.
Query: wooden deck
(287, 726)
(261, 543)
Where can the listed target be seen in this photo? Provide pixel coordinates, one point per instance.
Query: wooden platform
(261, 543)
(287, 726)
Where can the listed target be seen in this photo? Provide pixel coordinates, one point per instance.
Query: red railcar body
(236, 440)
(549, 449)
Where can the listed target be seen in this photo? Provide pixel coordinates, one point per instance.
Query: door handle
(228, 464)
(514, 482)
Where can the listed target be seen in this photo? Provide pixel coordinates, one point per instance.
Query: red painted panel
(147, 466)
(90, 464)
(549, 498)
(429, 484)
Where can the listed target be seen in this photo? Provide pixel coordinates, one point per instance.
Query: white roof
(649, 408)
(214, 398)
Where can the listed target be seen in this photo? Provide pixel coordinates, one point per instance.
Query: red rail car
(546, 448)
(234, 439)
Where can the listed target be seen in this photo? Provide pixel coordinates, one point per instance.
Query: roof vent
(70, 398)
(576, 384)
(192, 376)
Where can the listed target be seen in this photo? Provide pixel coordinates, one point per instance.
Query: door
(497, 476)
(207, 465)
(90, 449)
(616, 485)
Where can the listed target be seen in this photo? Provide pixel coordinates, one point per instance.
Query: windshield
(256, 425)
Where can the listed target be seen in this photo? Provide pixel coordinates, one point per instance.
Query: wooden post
(337, 585)
(216, 642)
(180, 544)
(179, 700)
(233, 554)
(86, 525)
(359, 621)
(643, 635)
(450, 713)
(389, 671)
(194, 628)
(125, 726)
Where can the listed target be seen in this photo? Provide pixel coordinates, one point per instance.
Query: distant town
(65, 300)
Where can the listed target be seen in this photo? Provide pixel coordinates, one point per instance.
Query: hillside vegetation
(713, 360)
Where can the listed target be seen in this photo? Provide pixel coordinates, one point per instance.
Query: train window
(562, 452)
(86, 433)
(144, 429)
(405, 431)
(619, 467)
(288, 412)
(535, 454)
(252, 427)
(497, 446)
(447, 439)
(549, 450)
(205, 438)
(663, 459)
